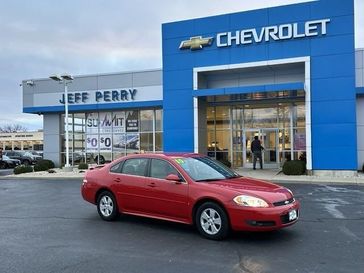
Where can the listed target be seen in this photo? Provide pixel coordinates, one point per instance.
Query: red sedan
(191, 189)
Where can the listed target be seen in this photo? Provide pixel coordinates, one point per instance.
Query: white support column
(308, 114)
(291, 132)
(154, 130)
(195, 124)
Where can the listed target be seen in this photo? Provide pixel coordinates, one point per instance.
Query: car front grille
(283, 203)
(261, 223)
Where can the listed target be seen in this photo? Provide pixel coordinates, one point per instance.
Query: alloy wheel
(210, 221)
(106, 206)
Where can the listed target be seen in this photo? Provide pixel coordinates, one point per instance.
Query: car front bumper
(262, 219)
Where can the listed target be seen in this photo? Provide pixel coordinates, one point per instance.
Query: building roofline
(103, 74)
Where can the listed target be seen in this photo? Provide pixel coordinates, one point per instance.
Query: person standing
(257, 148)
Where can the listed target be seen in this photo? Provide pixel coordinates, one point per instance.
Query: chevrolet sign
(195, 43)
(264, 34)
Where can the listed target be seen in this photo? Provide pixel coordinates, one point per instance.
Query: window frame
(183, 180)
(136, 158)
(120, 163)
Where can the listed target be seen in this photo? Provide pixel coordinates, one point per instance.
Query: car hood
(254, 187)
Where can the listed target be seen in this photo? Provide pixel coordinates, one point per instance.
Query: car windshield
(205, 169)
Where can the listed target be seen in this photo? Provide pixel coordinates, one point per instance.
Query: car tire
(100, 160)
(26, 162)
(107, 206)
(212, 221)
(3, 165)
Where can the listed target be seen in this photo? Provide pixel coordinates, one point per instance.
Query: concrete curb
(40, 178)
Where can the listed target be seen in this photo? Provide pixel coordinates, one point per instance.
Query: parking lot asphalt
(46, 226)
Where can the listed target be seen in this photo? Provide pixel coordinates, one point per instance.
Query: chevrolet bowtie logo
(195, 43)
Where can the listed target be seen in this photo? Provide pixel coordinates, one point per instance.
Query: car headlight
(250, 201)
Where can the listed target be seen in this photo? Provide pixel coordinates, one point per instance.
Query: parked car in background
(189, 188)
(35, 153)
(25, 157)
(7, 162)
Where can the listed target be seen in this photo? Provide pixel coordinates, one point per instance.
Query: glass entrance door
(269, 140)
(270, 144)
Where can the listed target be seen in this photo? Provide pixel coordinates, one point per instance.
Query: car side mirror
(173, 177)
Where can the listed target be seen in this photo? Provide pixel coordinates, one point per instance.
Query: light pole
(65, 79)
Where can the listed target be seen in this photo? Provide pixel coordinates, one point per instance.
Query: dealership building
(290, 75)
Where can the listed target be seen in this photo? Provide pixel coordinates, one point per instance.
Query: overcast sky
(42, 37)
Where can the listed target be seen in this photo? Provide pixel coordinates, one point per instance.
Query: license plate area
(292, 215)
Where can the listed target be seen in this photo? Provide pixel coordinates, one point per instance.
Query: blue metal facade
(333, 92)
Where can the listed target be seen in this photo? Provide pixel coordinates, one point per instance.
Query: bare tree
(12, 128)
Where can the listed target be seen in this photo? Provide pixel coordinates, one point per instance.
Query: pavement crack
(247, 264)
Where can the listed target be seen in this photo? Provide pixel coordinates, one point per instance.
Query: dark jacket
(256, 146)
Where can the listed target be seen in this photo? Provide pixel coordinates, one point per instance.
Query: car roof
(165, 155)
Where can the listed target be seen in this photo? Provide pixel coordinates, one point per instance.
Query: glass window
(146, 142)
(146, 121)
(161, 169)
(109, 135)
(116, 168)
(92, 123)
(205, 169)
(119, 143)
(222, 145)
(284, 116)
(210, 118)
(300, 115)
(79, 123)
(132, 143)
(237, 118)
(222, 117)
(299, 139)
(158, 142)
(158, 120)
(135, 166)
(260, 118)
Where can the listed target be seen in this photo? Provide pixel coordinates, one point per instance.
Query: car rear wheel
(26, 162)
(212, 221)
(106, 206)
(100, 160)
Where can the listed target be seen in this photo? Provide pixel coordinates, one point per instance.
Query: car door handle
(152, 185)
(117, 180)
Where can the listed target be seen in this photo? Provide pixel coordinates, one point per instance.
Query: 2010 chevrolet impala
(191, 189)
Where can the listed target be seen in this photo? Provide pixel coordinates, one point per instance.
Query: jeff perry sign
(100, 96)
(258, 35)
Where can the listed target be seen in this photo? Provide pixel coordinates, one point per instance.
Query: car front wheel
(107, 207)
(212, 221)
(3, 165)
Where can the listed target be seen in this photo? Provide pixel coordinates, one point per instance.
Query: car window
(205, 169)
(116, 168)
(135, 166)
(161, 169)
